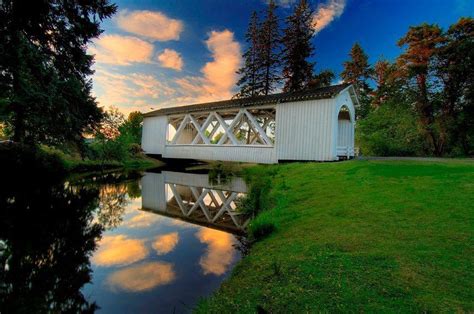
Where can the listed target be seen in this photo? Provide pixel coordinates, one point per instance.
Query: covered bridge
(314, 124)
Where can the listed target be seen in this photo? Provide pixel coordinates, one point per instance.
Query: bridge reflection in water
(194, 198)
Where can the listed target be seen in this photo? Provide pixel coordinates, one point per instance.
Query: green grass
(359, 236)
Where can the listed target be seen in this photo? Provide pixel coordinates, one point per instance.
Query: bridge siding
(305, 130)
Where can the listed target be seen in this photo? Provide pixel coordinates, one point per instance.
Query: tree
(132, 127)
(269, 54)
(323, 79)
(357, 71)
(421, 44)
(455, 69)
(297, 47)
(45, 86)
(250, 74)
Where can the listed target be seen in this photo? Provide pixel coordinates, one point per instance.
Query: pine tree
(268, 57)
(357, 71)
(297, 47)
(45, 69)
(250, 74)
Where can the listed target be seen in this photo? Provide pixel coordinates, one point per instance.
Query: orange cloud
(220, 251)
(165, 243)
(326, 13)
(121, 50)
(153, 25)
(171, 59)
(141, 277)
(219, 75)
(119, 250)
(141, 220)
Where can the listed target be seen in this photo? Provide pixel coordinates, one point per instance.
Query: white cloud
(153, 25)
(327, 12)
(171, 59)
(121, 50)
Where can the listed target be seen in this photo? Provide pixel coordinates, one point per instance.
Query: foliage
(357, 237)
(250, 73)
(357, 71)
(45, 92)
(322, 79)
(390, 130)
(298, 47)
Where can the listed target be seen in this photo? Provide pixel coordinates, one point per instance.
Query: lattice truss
(213, 206)
(234, 127)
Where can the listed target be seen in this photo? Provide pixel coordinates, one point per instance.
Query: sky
(156, 54)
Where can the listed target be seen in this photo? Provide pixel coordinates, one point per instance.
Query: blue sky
(166, 53)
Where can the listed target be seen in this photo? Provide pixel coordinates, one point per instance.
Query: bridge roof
(308, 94)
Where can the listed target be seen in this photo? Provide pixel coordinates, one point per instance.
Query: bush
(260, 228)
(16, 158)
(390, 130)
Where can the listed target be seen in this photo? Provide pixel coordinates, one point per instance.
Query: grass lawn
(372, 236)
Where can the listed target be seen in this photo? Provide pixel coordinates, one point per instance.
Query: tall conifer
(297, 47)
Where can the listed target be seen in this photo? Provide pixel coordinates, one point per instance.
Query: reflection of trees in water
(49, 235)
(112, 204)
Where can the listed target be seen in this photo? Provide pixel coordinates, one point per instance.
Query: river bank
(371, 236)
(18, 158)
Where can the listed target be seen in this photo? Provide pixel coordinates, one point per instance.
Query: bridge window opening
(345, 134)
(234, 127)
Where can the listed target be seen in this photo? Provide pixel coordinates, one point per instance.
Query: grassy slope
(360, 236)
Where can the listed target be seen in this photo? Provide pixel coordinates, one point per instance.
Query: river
(153, 242)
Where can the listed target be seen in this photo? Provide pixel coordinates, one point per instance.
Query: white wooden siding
(304, 130)
(154, 134)
(254, 154)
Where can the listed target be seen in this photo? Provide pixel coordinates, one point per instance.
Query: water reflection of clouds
(165, 243)
(140, 220)
(119, 250)
(219, 253)
(141, 277)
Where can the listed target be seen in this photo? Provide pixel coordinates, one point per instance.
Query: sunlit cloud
(135, 91)
(219, 253)
(119, 250)
(219, 75)
(327, 12)
(165, 243)
(171, 59)
(152, 25)
(121, 50)
(141, 277)
(141, 220)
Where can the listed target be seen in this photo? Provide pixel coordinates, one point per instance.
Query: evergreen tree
(269, 56)
(297, 47)
(250, 81)
(322, 79)
(44, 70)
(357, 71)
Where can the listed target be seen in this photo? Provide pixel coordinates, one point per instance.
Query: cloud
(171, 59)
(165, 243)
(152, 25)
(327, 12)
(220, 251)
(119, 250)
(219, 75)
(121, 50)
(134, 91)
(141, 220)
(141, 277)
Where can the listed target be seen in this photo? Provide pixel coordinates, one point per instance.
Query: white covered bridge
(315, 124)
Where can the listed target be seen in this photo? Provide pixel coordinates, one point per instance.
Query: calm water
(150, 242)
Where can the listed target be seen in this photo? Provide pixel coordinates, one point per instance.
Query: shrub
(260, 228)
(391, 130)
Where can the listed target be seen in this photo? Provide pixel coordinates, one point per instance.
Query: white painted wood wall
(305, 130)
